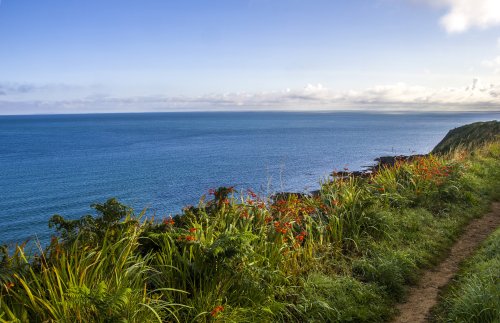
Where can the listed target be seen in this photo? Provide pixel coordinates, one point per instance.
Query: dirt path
(424, 296)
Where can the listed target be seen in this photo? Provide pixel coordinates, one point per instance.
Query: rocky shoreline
(381, 162)
(471, 135)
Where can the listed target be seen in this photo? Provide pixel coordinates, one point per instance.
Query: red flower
(168, 221)
(244, 214)
(282, 228)
(187, 238)
(192, 230)
(216, 310)
(252, 194)
(300, 237)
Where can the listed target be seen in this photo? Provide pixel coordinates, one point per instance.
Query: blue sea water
(164, 161)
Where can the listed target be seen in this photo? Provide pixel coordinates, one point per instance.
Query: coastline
(351, 252)
(145, 160)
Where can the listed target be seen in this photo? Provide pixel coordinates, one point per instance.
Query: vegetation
(468, 136)
(345, 254)
(475, 295)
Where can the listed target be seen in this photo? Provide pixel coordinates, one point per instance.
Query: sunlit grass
(475, 295)
(345, 254)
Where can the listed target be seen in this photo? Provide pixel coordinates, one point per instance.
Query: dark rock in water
(385, 161)
(315, 193)
(345, 174)
(468, 136)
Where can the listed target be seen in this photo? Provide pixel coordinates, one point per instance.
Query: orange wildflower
(252, 193)
(168, 221)
(216, 310)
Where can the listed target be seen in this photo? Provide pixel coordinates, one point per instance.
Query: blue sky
(97, 56)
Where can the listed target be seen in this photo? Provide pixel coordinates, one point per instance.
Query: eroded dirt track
(425, 295)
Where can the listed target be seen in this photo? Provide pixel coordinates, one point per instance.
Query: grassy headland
(468, 137)
(345, 254)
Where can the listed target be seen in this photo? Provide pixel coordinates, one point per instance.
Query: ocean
(163, 161)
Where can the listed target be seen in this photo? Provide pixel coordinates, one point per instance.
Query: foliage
(92, 230)
(84, 284)
(475, 295)
(345, 254)
(470, 137)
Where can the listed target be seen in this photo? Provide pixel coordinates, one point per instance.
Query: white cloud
(493, 64)
(475, 96)
(399, 96)
(463, 15)
(404, 96)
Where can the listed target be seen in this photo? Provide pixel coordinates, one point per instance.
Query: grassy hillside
(468, 137)
(475, 294)
(346, 254)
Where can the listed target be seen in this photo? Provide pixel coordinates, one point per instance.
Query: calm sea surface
(63, 163)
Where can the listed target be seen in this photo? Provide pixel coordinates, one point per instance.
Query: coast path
(425, 295)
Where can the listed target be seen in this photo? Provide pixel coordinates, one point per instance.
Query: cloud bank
(463, 15)
(313, 97)
(13, 88)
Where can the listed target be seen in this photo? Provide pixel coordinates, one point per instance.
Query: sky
(60, 56)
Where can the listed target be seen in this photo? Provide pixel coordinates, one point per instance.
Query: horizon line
(261, 111)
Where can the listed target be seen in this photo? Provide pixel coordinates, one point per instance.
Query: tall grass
(81, 283)
(345, 254)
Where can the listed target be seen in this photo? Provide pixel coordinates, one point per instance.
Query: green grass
(474, 296)
(469, 136)
(347, 254)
